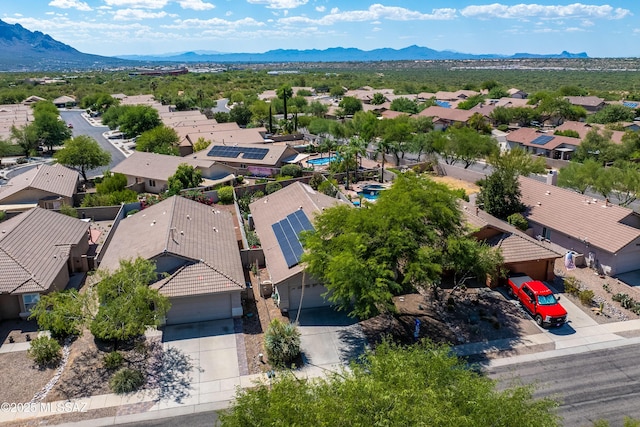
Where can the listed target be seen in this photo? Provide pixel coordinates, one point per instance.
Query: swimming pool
(369, 195)
(321, 161)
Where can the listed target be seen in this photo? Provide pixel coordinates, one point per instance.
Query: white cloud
(137, 15)
(70, 4)
(140, 4)
(520, 11)
(575, 30)
(195, 5)
(280, 4)
(214, 22)
(320, 8)
(374, 13)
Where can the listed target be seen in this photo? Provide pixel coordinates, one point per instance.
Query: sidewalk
(581, 334)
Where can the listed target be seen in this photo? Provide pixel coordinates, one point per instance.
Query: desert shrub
(294, 171)
(461, 194)
(225, 195)
(133, 212)
(586, 296)
(3, 216)
(126, 381)
(316, 180)
(329, 187)
(282, 342)
(113, 360)
(572, 285)
(45, 351)
(518, 221)
(68, 211)
(272, 187)
(240, 179)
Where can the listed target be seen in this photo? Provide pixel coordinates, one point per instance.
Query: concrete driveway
(329, 338)
(212, 347)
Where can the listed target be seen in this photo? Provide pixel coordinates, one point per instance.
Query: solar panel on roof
(233, 152)
(542, 139)
(287, 232)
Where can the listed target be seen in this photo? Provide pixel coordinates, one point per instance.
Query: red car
(538, 300)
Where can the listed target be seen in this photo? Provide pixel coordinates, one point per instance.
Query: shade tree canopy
(83, 153)
(398, 244)
(420, 385)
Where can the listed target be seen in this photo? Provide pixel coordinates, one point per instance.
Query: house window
(546, 233)
(152, 183)
(29, 301)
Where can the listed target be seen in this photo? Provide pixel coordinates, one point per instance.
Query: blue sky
(116, 27)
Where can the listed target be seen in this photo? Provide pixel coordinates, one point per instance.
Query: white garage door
(312, 297)
(199, 309)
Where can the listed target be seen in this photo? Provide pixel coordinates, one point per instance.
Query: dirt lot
(455, 183)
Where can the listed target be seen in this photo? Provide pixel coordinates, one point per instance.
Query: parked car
(538, 300)
(69, 125)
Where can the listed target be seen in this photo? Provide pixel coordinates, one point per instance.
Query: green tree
(317, 109)
(82, 153)
(160, 140)
(500, 192)
(365, 256)
(5, 149)
(62, 313)
(128, 306)
(471, 259)
(201, 144)
(349, 154)
(350, 105)
(597, 145)
(613, 113)
(464, 145)
(50, 129)
(186, 176)
(241, 114)
(26, 137)
(284, 92)
(404, 105)
(471, 102)
(98, 102)
(133, 120)
(579, 176)
(420, 385)
(378, 99)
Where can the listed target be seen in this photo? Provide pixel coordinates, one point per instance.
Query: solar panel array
(288, 232)
(542, 139)
(234, 152)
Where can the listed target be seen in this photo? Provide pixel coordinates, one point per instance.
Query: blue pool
(369, 195)
(375, 187)
(321, 161)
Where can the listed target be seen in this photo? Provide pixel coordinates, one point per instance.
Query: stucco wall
(9, 307)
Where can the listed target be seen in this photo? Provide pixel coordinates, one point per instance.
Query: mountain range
(337, 54)
(24, 50)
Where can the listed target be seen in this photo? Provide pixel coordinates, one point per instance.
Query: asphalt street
(82, 127)
(603, 384)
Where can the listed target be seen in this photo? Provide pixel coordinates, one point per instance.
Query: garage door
(199, 309)
(312, 297)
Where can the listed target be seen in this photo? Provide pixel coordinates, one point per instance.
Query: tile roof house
(152, 171)
(521, 253)
(590, 103)
(608, 235)
(65, 101)
(517, 93)
(39, 249)
(287, 278)
(445, 117)
(196, 246)
(542, 143)
(245, 156)
(584, 128)
(47, 186)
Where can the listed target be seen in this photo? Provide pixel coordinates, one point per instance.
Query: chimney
(552, 177)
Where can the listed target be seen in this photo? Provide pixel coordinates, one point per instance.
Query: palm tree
(349, 153)
(382, 147)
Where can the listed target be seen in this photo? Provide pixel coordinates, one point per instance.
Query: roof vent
(539, 203)
(182, 232)
(215, 229)
(188, 217)
(153, 222)
(548, 192)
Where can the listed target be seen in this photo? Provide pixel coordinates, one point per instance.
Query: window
(546, 233)
(152, 183)
(29, 301)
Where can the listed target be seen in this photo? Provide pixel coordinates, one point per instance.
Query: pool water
(370, 187)
(369, 195)
(321, 161)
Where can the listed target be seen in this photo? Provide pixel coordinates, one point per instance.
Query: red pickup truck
(538, 300)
